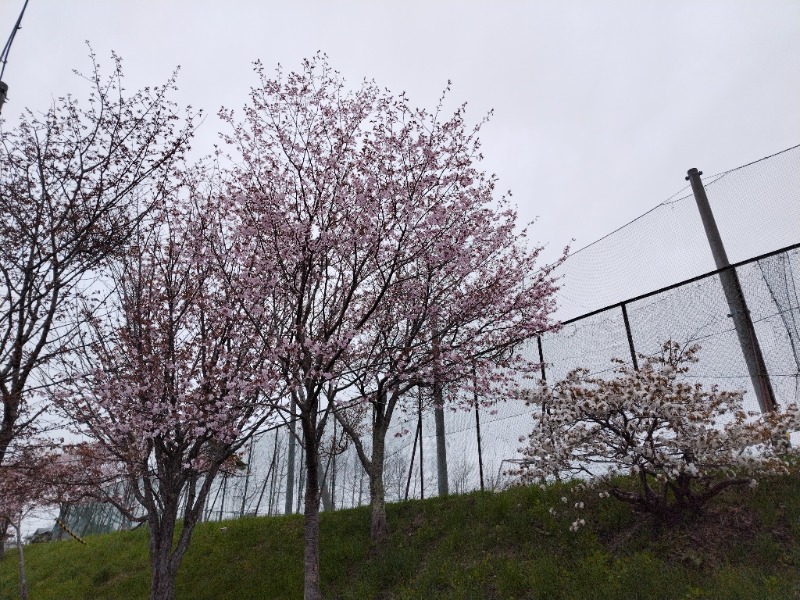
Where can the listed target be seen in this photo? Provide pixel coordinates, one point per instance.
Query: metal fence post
(477, 422)
(333, 467)
(541, 357)
(413, 455)
(287, 509)
(247, 476)
(630, 336)
(421, 446)
(224, 491)
(732, 288)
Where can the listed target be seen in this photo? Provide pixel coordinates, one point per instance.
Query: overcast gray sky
(600, 106)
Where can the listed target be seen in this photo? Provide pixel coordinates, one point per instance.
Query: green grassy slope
(481, 546)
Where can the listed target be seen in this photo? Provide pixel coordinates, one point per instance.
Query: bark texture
(379, 528)
(23, 581)
(311, 581)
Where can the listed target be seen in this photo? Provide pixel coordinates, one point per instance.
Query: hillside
(481, 545)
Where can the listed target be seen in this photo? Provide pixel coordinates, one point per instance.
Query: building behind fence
(757, 207)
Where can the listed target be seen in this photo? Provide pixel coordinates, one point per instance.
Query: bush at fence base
(682, 443)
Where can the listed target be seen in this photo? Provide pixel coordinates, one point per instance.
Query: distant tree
(682, 444)
(373, 246)
(21, 491)
(74, 183)
(38, 478)
(170, 381)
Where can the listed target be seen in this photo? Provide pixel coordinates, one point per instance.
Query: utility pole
(732, 288)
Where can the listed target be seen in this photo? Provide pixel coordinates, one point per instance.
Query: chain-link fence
(757, 207)
(692, 312)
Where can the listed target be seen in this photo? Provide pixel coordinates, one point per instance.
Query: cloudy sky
(600, 107)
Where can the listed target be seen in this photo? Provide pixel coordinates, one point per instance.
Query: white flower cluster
(577, 524)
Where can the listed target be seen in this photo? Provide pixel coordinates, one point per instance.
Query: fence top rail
(681, 283)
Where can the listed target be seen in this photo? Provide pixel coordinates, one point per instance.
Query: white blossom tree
(682, 443)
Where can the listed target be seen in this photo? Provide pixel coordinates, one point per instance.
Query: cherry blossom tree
(171, 380)
(74, 182)
(370, 238)
(682, 443)
(470, 293)
(311, 236)
(21, 491)
(39, 476)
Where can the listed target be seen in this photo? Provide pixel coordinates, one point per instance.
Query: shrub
(682, 443)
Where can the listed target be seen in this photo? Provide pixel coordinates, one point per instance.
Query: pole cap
(693, 172)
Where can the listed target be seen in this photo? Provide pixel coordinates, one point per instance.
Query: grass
(481, 545)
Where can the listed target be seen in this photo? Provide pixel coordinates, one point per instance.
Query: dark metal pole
(413, 455)
(477, 422)
(333, 468)
(266, 478)
(302, 479)
(630, 337)
(421, 445)
(541, 357)
(736, 302)
(438, 419)
(247, 476)
(224, 491)
(213, 504)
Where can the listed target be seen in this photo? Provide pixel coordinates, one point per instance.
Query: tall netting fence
(693, 312)
(608, 284)
(757, 209)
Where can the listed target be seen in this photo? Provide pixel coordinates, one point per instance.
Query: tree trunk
(311, 582)
(163, 567)
(11, 408)
(438, 413)
(324, 493)
(379, 529)
(441, 441)
(165, 555)
(373, 465)
(325, 497)
(287, 508)
(162, 584)
(23, 581)
(3, 532)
